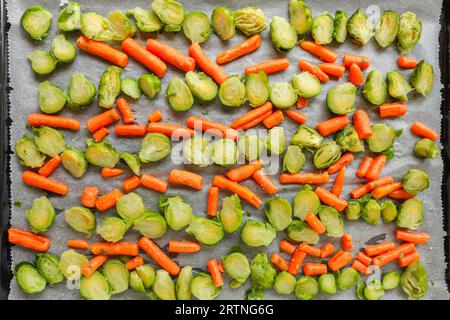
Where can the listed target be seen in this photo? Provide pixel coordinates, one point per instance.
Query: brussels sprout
(179, 95)
(300, 16)
(275, 140)
(201, 86)
(150, 224)
(109, 87)
(232, 92)
(63, 50)
(327, 283)
(223, 22)
(360, 286)
(155, 147)
(42, 62)
(130, 206)
(231, 215)
(397, 85)
(171, 14)
(101, 154)
(262, 272)
(71, 263)
(113, 229)
(283, 95)
(388, 211)
(147, 275)
(178, 213)
(414, 281)
(236, 265)
(250, 145)
(136, 282)
(373, 290)
(410, 214)
(390, 280)
(132, 162)
(80, 219)
(70, 17)
(51, 99)
(387, 28)
(282, 34)
(28, 153)
(278, 212)
(117, 275)
(202, 287)
(130, 88)
(415, 181)
(340, 26)
(49, 141)
(146, 20)
(371, 212)
(183, 284)
(306, 288)
(306, 85)
(300, 231)
(41, 215)
(257, 87)
(284, 283)
(426, 148)
(74, 161)
(306, 201)
(254, 293)
(196, 26)
(150, 85)
(257, 233)
(196, 151)
(306, 138)
(332, 220)
(341, 99)
(95, 287)
(294, 159)
(206, 231)
(250, 20)
(80, 92)
(347, 278)
(326, 155)
(382, 138)
(359, 28)
(409, 32)
(322, 29)
(422, 78)
(353, 210)
(120, 25)
(348, 140)
(95, 26)
(28, 278)
(224, 152)
(36, 21)
(47, 265)
(374, 89)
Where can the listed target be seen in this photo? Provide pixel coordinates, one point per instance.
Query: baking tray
(6, 152)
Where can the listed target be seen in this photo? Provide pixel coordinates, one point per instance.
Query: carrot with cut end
(279, 262)
(366, 260)
(100, 134)
(212, 127)
(48, 168)
(169, 129)
(216, 275)
(158, 256)
(377, 249)
(213, 201)
(274, 119)
(140, 54)
(134, 263)
(244, 172)
(184, 246)
(313, 69)
(103, 119)
(343, 161)
(338, 183)
(265, 182)
(413, 237)
(302, 102)
(396, 109)
(407, 259)
(304, 178)
(361, 267)
(297, 116)
(393, 254)
(37, 120)
(314, 269)
(130, 130)
(154, 183)
(330, 199)
(255, 122)
(111, 172)
(332, 125)
(382, 191)
(221, 269)
(366, 188)
(406, 62)
(401, 194)
(362, 61)
(315, 223)
(347, 242)
(326, 250)
(155, 116)
(252, 115)
(125, 111)
(186, 178)
(249, 45)
(339, 260)
(270, 66)
(211, 68)
(332, 69)
(171, 55)
(364, 167)
(131, 183)
(321, 51)
(103, 50)
(115, 248)
(28, 240)
(287, 246)
(78, 244)
(309, 250)
(376, 167)
(296, 261)
(421, 130)
(89, 197)
(362, 124)
(93, 265)
(240, 190)
(355, 75)
(35, 180)
(108, 200)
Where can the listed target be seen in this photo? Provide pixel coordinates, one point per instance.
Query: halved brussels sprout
(327, 283)
(149, 84)
(95, 287)
(196, 26)
(224, 152)
(74, 161)
(70, 17)
(282, 34)
(306, 201)
(130, 206)
(41, 215)
(96, 27)
(360, 286)
(42, 62)
(410, 214)
(415, 181)
(409, 32)
(47, 265)
(146, 20)
(250, 145)
(49, 141)
(332, 221)
(250, 20)
(223, 22)
(323, 28)
(80, 219)
(300, 231)
(257, 87)
(203, 288)
(62, 49)
(284, 283)
(179, 95)
(347, 278)
(306, 85)
(422, 78)
(387, 28)
(374, 89)
(232, 92)
(183, 284)
(231, 215)
(206, 231)
(256, 233)
(382, 137)
(80, 92)
(353, 210)
(360, 28)
(341, 99)
(414, 281)
(275, 140)
(28, 153)
(147, 275)
(306, 138)
(136, 282)
(294, 159)
(28, 278)
(426, 148)
(263, 272)
(120, 25)
(326, 155)
(374, 290)
(151, 225)
(36, 21)
(196, 151)
(254, 293)
(178, 213)
(371, 212)
(397, 85)
(155, 147)
(101, 154)
(109, 87)
(300, 16)
(71, 263)
(51, 99)
(278, 212)
(390, 280)
(340, 26)
(171, 14)
(113, 229)
(201, 86)
(306, 288)
(132, 161)
(117, 275)
(348, 139)
(130, 88)
(388, 211)
(236, 265)
(283, 95)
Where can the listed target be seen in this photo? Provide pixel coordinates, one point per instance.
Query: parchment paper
(24, 100)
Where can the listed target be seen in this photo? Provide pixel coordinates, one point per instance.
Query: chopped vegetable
(255, 233)
(101, 154)
(196, 26)
(294, 159)
(201, 86)
(300, 16)
(390, 280)
(360, 28)
(332, 220)
(69, 18)
(183, 284)
(306, 85)
(374, 89)
(284, 283)
(262, 272)
(74, 161)
(257, 88)
(49, 141)
(415, 181)
(224, 152)
(426, 148)
(96, 27)
(223, 22)
(232, 92)
(327, 283)
(178, 214)
(340, 26)
(41, 215)
(387, 28)
(283, 34)
(36, 21)
(146, 20)
(397, 86)
(250, 20)
(322, 29)
(300, 231)
(347, 278)
(170, 12)
(81, 92)
(326, 155)
(275, 140)
(51, 98)
(422, 78)
(42, 62)
(236, 265)
(306, 288)
(28, 278)
(341, 99)
(117, 275)
(150, 224)
(28, 153)
(409, 32)
(206, 231)
(203, 288)
(179, 95)
(231, 215)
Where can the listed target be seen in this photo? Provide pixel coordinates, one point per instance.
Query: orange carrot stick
(297, 116)
(296, 261)
(155, 116)
(326, 250)
(413, 237)
(355, 75)
(154, 183)
(366, 260)
(332, 69)
(322, 52)
(100, 134)
(304, 178)
(116, 248)
(338, 183)
(102, 50)
(279, 262)
(393, 254)
(138, 52)
(186, 178)
(159, 256)
(130, 130)
(131, 183)
(240, 190)
(134, 263)
(332, 125)
(274, 119)
(362, 124)
(111, 172)
(407, 259)
(376, 167)
(89, 197)
(213, 201)
(302, 102)
(28, 240)
(221, 269)
(362, 61)
(314, 269)
(184, 246)
(270, 66)
(313, 69)
(170, 129)
(207, 65)
(315, 223)
(102, 120)
(382, 191)
(249, 45)
(339, 260)
(309, 250)
(364, 167)
(401, 194)
(330, 199)
(50, 166)
(171, 55)
(213, 268)
(422, 130)
(125, 111)
(406, 62)
(252, 115)
(287, 247)
(347, 242)
(343, 161)
(244, 172)
(35, 180)
(93, 265)
(108, 200)
(396, 109)
(212, 127)
(78, 244)
(265, 182)
(377, 249)
(366, 188)
(37, 119)
(361, 267)
(255, 122)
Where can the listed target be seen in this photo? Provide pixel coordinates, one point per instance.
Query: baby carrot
(186, 178)
(362, 61)
(407, 259)
(413, 237)
(35, 180)
(382, 191)
(244, 172)
(274, 119)
(131, 183)
(125, 111)
(339, 260)
(366, 260)
(269, 66)
(422, 130)
(396, 109)
(296, 261)
(78, 244)
(207, 65)
(134, 263)
(115, 248)
(377, 249)
(315, 223)
(221, 269)
(103, 119)
(249, 45)
(130, 130)
(347, 242)
(212, 127)
(89, 197)
(330, 199)
(155, 116)
(265, 182)
(279, 262)
(364, 167)
(376, 167)
(184, 246)
(170, 129)
(111, 172)
(287, 246)
(304, 178)
(406, 62)
(343, 161)
(255, 122)
(332, 69)
(171, 55)
(326, 250)
(154, 183)
(213, 201)
(322, 52)
(355, 75)
(314, 269)
(37, 119)
(361, 267)
(302, 102)
(338, 183)
(216, 275)
(28, 240)
(93, 265)
(240, 190)
(393, 254)
(102, 50)
(108, 200)
(362, 124)
(100, 134)
(313, 69)
(366, 188)
(158, 256)
(309, 250)
(332, 125)
(48, 168)
(252, 115)
(139, 53)
(297, 116)
(401, 194)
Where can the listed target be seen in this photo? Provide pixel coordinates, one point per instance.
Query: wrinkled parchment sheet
(24, 100)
